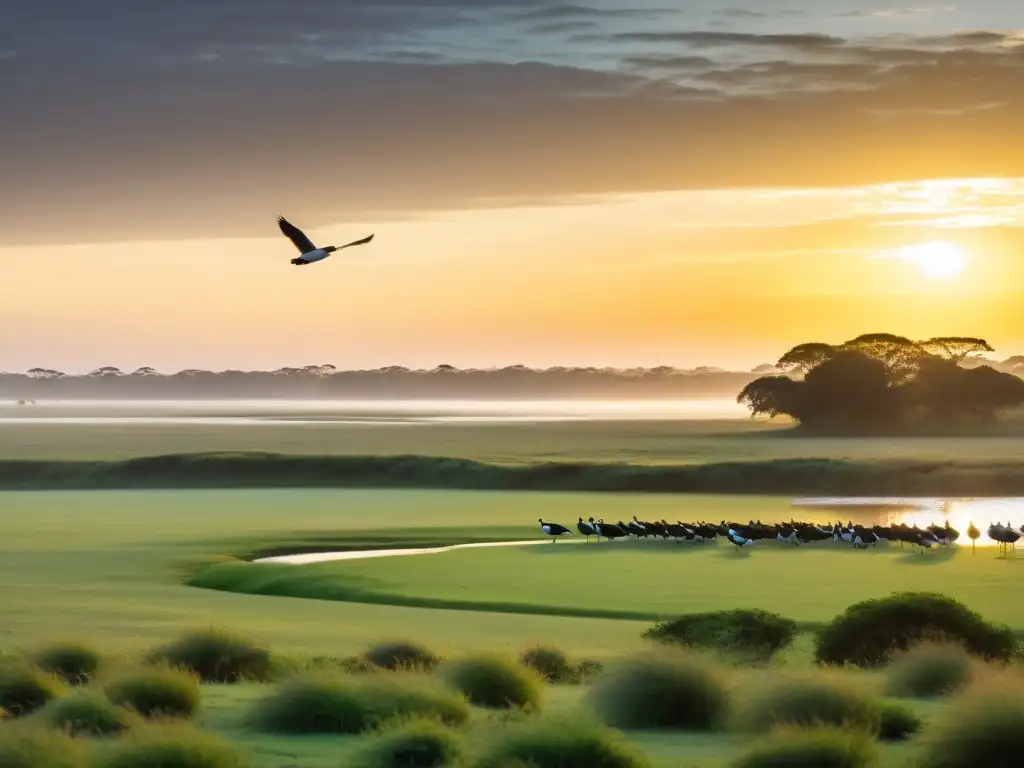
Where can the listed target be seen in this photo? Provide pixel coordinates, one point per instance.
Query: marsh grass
(984, 726)
(805, 699)
(86, 713)
(216, 656)
(73, 662)
(156, 692)
(24, 688)
(930, 670)
(827, 747)
(493, 681)
(410, 744)
(169, 746)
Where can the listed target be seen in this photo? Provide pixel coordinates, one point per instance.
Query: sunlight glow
(939, 259)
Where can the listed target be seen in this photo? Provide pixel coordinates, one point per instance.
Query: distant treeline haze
(881, 382)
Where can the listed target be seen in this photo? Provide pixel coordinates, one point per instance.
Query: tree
(849, 389)
(145, 371)
(774, 396)
(901, 356)
(106, 371)
(804, 357)
(44, 373)
(955, 348)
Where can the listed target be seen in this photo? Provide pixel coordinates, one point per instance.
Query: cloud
(703, 38)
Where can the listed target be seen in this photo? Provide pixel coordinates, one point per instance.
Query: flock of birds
(793, 532)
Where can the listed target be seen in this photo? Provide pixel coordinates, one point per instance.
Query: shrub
(216, 657)
(157, 692)
(665, 689)
(812, 748)
(401, 654)
(171, 747)
(751, 634)
(549, 663)
(984, 727)
(545, 743)
(38, 748)
(86, 713)
(416, 744)
(896, 721)
(24, 689)
(492, 681)
(806, 700)
(929, 670)
(355, 704)
(74, 663)
(868, 633)
(587, 669)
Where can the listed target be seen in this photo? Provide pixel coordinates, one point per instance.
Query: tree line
(885, 382)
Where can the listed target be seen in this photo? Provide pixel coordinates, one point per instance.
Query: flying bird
(309, 252)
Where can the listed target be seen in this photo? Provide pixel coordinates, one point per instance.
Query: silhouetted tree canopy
(880, 381)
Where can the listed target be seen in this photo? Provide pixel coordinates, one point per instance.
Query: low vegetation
(550, 663)
(929, 670)
(74, 663)
(896, 721)
(401, 654)
(830, 747)
(86, 713)
(662, 689)
(869, 633)
(415, 744)
(983, 727)
(28, 747)
(156, 692)
(216, 657)
(805, 700)
(494, 681)
(749, 634)
(347, 704)
(556, 743)
(171, 747)
(25, 688)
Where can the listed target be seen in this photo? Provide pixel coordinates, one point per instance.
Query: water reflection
(916, 511)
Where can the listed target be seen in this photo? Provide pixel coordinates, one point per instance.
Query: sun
(939, 259)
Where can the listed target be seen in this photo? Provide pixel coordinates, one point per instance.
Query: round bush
(158, 692)
(38, 748)
(806, 700)
(401, 654)
(984, 727)
(86, 713)
(750, 634)
(74, 663)
(549, 663)
(868, 633)
(216, 657)
(495, 682)
(171, 747)
(546, 743)
(667, 689)
(587, 669)
(418, 744)
(896, 722)
(811, 748)
(24, 689)
(355, 704)
(929, 670)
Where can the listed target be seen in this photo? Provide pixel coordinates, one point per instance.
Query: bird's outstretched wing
(364, 241)
(296, 235)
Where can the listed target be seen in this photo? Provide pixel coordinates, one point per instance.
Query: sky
(606, 182)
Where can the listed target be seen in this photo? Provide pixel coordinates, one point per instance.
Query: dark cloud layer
(207, 119)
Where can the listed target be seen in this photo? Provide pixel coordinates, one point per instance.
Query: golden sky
(700, 183)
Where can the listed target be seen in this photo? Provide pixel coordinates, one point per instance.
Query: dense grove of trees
(880, 382)
(326, 382)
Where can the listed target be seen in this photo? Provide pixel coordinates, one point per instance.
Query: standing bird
(309, 252)
(554, 530)
(586, 529)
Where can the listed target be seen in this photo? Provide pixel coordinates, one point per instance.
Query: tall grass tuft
(662, 689)
(494, 682)
(86, 713)
(216, 656)
(413, 744)
(811, 748)
(983, 727)
(401, 654)
(157, 692)
(806, 700)
(549, 663)
(354, 704)
(26, 747)
(170, 747)
(929, 670)
(896, 721)
(73, 662)
(556, 743)
(25, 688)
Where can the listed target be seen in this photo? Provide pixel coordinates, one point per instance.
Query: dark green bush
(24, 688)
(547, 743)
(811, 748)
(983, 728)
(157, 692)
(549, 663)
(663, 689)
(170, 747)
(751, 634)
(587, 669)
(355, 704)
(416, 744)
(216, 657)
(806, 700)
(23, 747)
(929, 670)
(401, 654)
(74, 663)
(896, 721)
(493, 681)
(87, 713)
(870, 632)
